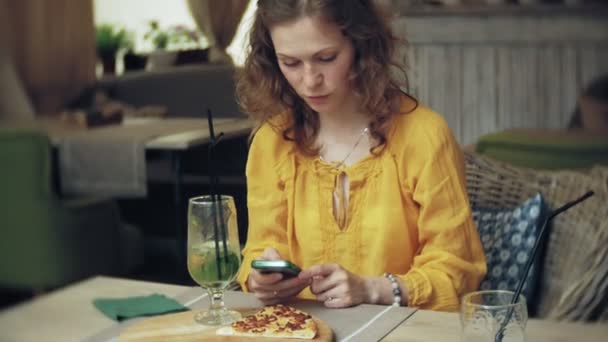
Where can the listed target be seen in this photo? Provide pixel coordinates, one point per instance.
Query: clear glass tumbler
(489, 316)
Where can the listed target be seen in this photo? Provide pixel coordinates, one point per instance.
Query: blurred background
(489, 66)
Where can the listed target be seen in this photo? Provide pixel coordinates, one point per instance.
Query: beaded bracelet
(396, 289)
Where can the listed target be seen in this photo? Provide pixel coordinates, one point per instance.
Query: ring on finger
(275, 293)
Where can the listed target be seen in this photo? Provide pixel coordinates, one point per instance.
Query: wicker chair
(574, 279)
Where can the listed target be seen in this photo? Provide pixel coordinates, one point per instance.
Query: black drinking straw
(501, 331)
(216, 198)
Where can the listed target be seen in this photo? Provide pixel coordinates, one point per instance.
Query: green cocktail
(204, 267)
(213, 253)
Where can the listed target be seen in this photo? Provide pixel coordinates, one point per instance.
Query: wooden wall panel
(490, 73)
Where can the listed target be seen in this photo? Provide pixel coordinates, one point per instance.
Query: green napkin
(124, 308)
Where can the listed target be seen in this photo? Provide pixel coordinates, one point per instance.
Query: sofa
(550, 149)
(573, 281)
(186, 91)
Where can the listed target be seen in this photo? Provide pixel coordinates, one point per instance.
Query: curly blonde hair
(263, 92)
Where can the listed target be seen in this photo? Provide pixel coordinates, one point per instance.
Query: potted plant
(167, 42)
(134, 61)
(109, 40)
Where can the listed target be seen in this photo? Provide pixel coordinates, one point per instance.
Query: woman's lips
(317, 100)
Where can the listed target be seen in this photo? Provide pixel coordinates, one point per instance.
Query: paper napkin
(124, 308)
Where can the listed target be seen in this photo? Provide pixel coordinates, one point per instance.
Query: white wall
(135, 14)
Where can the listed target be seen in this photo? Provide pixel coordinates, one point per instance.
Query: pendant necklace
(340, 204)
(340, 164)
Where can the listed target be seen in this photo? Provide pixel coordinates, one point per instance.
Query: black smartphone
(276, 266)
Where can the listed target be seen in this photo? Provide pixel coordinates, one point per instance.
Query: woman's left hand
(336, 286)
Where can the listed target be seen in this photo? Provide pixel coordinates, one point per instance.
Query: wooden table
(69, 315)
(443, 326)
(171, 135)
(168, 133)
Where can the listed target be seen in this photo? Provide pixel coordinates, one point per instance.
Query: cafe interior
(114, 113)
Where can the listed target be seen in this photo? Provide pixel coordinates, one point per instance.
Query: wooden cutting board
(182, 327)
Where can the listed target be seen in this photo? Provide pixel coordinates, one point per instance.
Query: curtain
(6, 31)
(218, 20)
(53, 46)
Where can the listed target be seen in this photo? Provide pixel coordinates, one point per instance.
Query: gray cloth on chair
(92, 164)
(111, 160)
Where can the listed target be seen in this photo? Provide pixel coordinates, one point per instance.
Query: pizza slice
(274, 321)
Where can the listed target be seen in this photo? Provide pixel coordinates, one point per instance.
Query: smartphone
(276, 266)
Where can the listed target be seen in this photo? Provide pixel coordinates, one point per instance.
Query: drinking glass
(489, 316)
(214, 254)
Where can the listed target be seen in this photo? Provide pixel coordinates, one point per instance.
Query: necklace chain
(341, 163)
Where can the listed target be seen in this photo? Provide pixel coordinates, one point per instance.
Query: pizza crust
(278, 321)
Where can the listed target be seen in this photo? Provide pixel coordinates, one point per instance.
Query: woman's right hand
(271, 288)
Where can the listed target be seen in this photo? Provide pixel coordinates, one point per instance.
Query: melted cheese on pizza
(274, 321)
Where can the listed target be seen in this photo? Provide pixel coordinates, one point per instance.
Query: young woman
(347, 176)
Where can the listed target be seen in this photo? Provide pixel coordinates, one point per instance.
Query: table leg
(180, 224)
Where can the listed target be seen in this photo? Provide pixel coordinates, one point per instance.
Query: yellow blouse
(408, 211)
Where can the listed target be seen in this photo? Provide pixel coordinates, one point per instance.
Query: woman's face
(316, 59)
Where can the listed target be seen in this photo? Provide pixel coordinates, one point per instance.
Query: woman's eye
(290, 64)
(327, 59)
